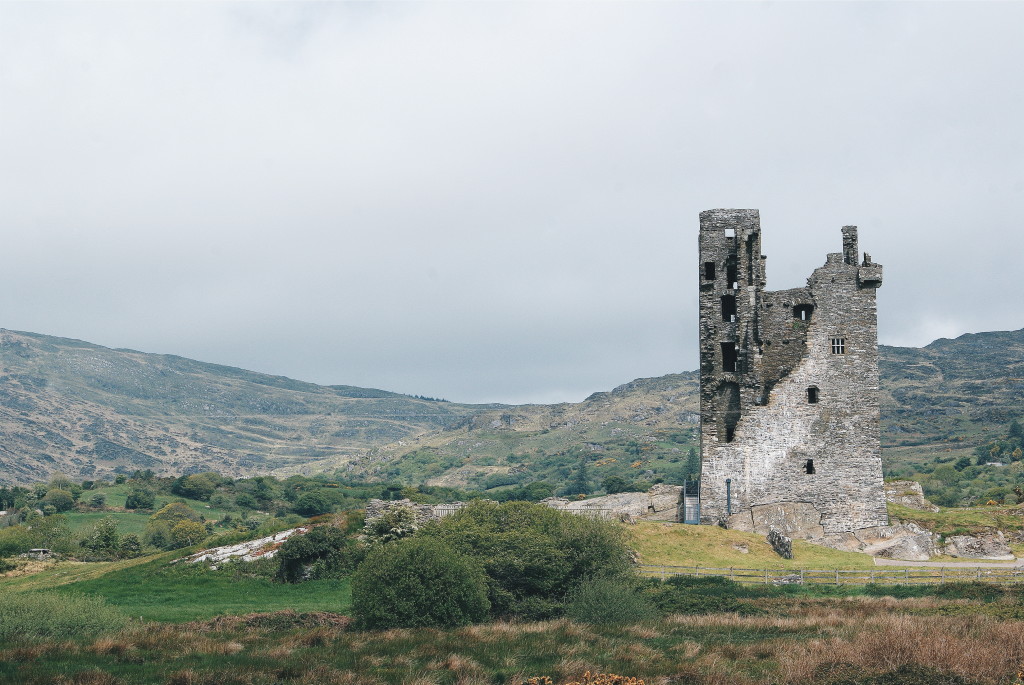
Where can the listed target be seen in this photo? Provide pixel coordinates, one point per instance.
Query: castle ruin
(788, 388)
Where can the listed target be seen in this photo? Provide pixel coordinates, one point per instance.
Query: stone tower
(788, 387)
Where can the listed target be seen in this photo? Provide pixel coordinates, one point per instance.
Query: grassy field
(966, 521)
(846, 641)
(132, 521)
(151, 589)
(681, 545)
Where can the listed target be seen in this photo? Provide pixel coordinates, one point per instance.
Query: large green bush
(418, 582)
(324, 552)
(533, 555)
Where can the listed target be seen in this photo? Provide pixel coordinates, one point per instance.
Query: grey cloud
(492, 202)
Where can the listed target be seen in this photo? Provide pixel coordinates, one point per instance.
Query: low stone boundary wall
(895, 576)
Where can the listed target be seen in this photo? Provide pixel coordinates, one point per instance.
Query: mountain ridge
(90, 411)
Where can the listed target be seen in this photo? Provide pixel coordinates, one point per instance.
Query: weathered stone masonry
(789, 387)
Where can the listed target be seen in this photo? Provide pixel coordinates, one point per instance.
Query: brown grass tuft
(93, 677)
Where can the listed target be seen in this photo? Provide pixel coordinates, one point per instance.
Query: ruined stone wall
(796, 418)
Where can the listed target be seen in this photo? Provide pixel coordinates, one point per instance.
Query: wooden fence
(917, 575)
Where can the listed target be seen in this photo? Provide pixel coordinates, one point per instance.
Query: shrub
(131, 547)
(532, 554)
(196, 486)
(699, 595)
(394, 524)
(609, 600)
(175, 512)
(311, 504)
(103, 542)
(14, 540)
(324, 552)
(140, 498)
(187, 533)
(418, 583)
(61, 500)
(34, 615)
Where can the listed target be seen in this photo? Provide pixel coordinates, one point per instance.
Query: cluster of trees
(488, 560)
(951, 481)
(1008, 449)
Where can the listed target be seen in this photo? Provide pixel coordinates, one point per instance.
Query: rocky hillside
(950, 396)
(90, 411)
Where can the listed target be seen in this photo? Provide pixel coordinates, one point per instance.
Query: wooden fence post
(837, 576)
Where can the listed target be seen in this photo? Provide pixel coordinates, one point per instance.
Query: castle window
(728, 307)
(809, 467)
(730, 272)
(730, 233)
(838, 345)
(728, 356)
(812, 395)
(709, 271)
(803, 312)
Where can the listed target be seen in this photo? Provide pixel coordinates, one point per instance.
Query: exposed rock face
(263, 548)
(905, 541)
(910, 542)
(795, 519)
(660, 503)
(908, 493)
(782, 545)
(992, 547)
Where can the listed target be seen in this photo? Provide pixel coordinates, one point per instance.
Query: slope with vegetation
(91, 412)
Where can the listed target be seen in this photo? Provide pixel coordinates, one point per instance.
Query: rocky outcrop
(908, 493)
(263, 548)
(782, 545)
(991, 547)
(904, 541)
(660, 503)
(794, 519)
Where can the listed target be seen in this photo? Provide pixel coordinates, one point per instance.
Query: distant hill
(90, 411)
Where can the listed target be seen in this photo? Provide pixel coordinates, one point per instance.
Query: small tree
(313, 504)
(131, 547)
(323, 552)
(61, 500)
(394, 524)
(187, 533)
(140, 498)
(98, 500)
(692, 465)
(104, 540)
(418, 583)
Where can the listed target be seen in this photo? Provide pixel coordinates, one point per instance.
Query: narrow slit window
(809, 467)
(812, 395)
(730, 272)
(838, 345)
(728, 356)
(728, 307)
(709, 271)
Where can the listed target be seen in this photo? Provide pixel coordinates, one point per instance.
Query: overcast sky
(493, 202)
